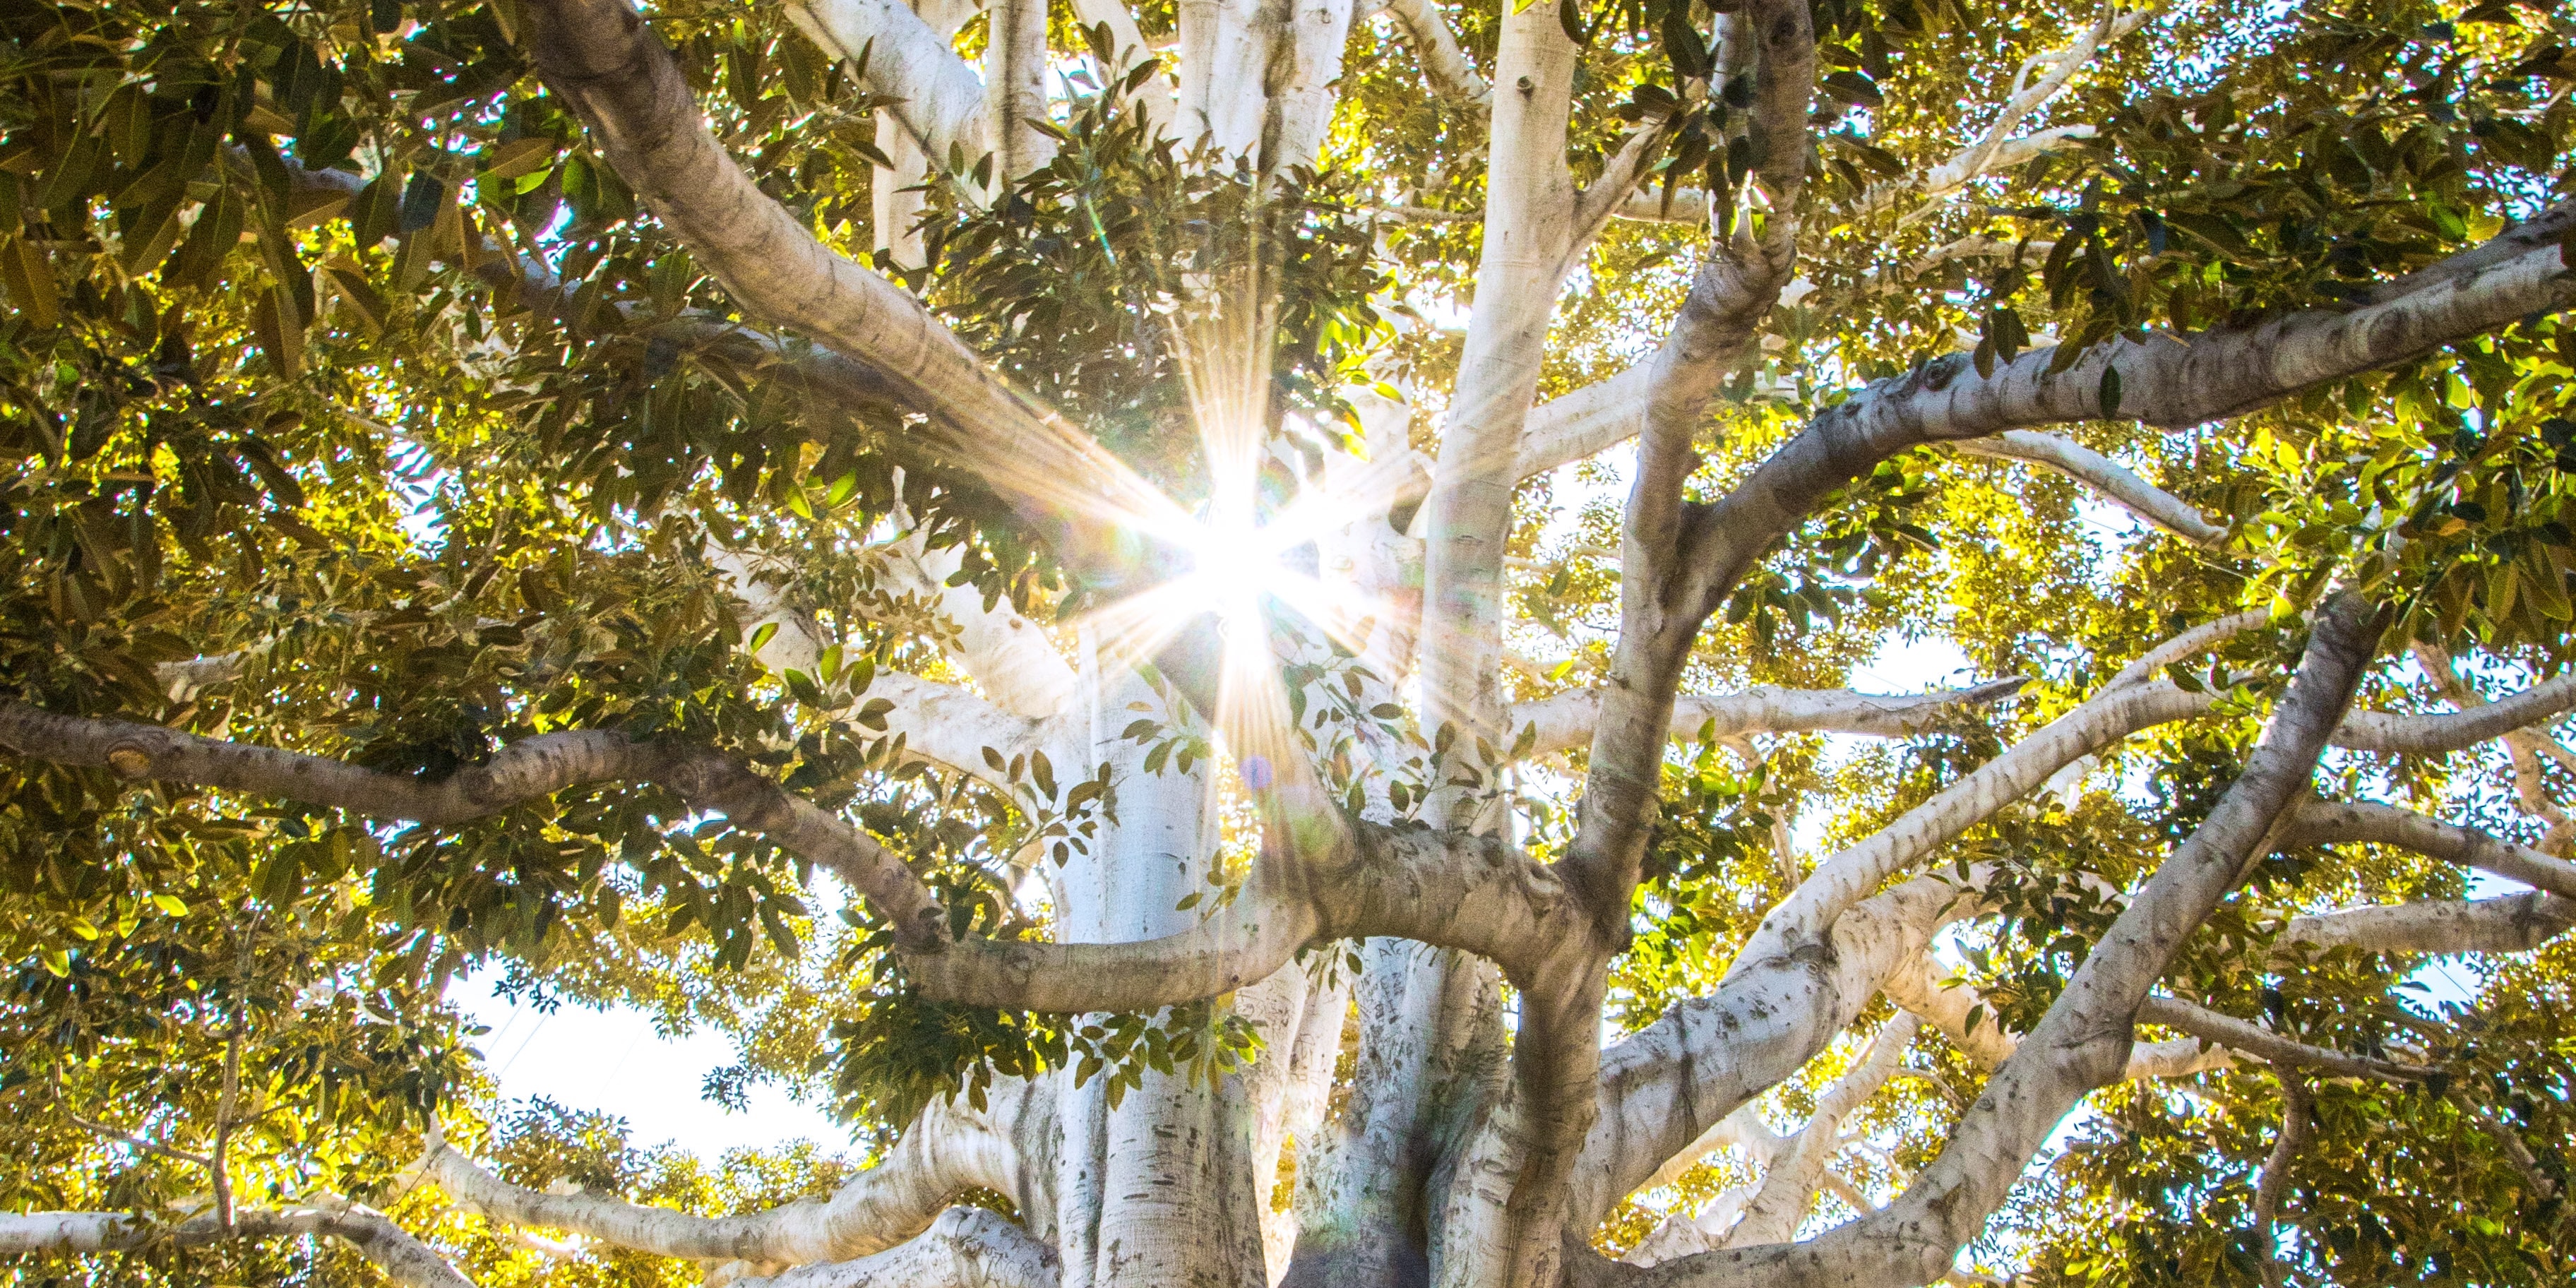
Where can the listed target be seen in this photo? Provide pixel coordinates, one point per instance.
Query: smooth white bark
(403, 1258)
(965, 1248)
(1566, 720)
(2112, 480)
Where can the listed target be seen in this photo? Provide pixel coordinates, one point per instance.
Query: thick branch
(1009, 656)
(1585, 423)
(2426, 735)
(2510, 924)
(599, 57)
(2164, 381)
(2084, 1039)
(948, 1149)
(939, 99)
(967, 1247)
(2325, 822)
(1444, 64)
(405, 1260)
(952, 727)
(1789, 1186)
(1917, 988)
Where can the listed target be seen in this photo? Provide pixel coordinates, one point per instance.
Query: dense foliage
(349, 403)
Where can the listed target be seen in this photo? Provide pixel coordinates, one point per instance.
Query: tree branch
(1789, 1186)
(2425, 735)
(2296, 1127)
(1008, 655)
(2189, 644)
(939, 99)
(2083, 1041)
(1853, 872)
(2509, 924)
(950, 1147)
(1444, 64)
(2326, 822)
(2165, 381)
(403, 1259)
(2253, 1039)
(1567, 719)
(1305, 73)
(1585, 423)
(2105, 476)
(1948, 1006)
(599, 57)
(967, 1247)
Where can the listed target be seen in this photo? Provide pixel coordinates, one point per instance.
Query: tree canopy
(1230, 629)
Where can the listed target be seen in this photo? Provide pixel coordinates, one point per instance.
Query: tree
(965, 549)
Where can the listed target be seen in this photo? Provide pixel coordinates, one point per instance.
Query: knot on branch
(129, 761)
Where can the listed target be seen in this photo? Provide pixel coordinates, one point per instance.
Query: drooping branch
(829, 379)
(403, 1259)
(2274, 1183)
(1567, 719)
(525, 771)
(2105, 476)
(967, 1247)
(1312, 880)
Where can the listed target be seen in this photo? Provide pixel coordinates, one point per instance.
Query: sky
(613, 1061)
